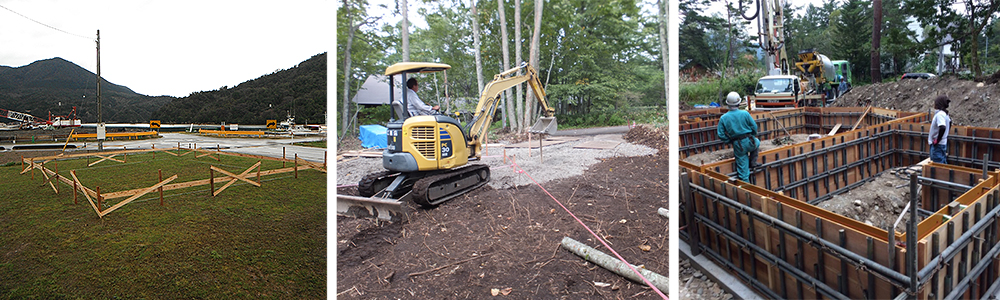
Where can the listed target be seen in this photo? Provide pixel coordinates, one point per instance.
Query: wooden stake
(282, 156)
(154, 151)
(540, 139)
(99, 199)
(258, 171)
(324, 159)
(296, 165)
(67, 139)
(211, 180)
(161, 187)
(74, 192)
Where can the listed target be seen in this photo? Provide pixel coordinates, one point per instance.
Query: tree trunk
(506, 63)
(475, 41)
(517, 62)
(406, 31)
(974, 52)
(533, 51)
(661, 11)
(876, 67)
(347, 69)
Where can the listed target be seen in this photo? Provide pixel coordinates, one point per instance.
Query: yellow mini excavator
(428, 156)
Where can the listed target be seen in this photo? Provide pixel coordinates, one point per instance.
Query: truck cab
(776, 92)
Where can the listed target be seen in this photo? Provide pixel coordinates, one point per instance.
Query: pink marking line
(658, 292)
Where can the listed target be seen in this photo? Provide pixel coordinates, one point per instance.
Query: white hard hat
(733, 99)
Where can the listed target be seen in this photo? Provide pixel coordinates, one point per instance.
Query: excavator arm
(490, 100)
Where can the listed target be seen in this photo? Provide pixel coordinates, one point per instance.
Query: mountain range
(56, 85)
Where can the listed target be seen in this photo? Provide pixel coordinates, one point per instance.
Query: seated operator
(414, 105)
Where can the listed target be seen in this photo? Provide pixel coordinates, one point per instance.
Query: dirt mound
(971, 102)
(648, 136)
(990, 79)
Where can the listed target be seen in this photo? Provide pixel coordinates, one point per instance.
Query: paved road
(255, 146)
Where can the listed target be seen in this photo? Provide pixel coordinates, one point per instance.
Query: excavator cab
(421, 143)
(428, 156)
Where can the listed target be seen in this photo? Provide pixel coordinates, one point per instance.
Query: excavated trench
(820, 208)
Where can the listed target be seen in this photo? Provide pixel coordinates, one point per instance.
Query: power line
(43, 24)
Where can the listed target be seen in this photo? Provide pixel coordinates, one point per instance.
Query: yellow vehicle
(428, 156)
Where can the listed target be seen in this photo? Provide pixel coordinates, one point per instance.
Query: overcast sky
(168, 47)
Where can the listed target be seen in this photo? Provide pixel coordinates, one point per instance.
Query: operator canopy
(415, 67)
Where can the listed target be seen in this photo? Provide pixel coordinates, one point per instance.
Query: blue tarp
(373, 136)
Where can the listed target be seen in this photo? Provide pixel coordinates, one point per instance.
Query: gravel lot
(558, 161)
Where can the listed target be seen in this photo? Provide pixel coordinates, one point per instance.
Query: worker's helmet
(733, 99)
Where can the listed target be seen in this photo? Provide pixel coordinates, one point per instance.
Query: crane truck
(428, 156)
(780, 89)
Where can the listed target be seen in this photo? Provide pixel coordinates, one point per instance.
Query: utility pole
(100, 120)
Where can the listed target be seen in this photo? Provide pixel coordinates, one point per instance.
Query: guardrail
(231, 132)
(112, 136)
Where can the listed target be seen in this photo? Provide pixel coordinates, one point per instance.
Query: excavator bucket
(544, 125)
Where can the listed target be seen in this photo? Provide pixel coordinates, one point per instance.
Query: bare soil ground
(508, 239)
(724, 154)
(877, 203)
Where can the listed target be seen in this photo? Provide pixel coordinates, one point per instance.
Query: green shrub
(374, 115)
(706, 91)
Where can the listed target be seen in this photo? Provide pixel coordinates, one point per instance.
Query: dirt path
(508, 239)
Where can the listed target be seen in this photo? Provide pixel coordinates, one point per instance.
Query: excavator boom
(490, 100)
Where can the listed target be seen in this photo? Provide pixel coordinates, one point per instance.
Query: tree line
(592, 56)
(881, 39)
(299, 91)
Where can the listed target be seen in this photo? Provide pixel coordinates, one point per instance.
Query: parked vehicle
(917, 76)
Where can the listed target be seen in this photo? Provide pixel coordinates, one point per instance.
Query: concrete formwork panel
(769, 233)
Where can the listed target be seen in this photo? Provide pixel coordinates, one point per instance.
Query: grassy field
(248, 242)
(317, 144)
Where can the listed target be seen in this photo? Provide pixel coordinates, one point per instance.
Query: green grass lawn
(248, 242)
(317, 144)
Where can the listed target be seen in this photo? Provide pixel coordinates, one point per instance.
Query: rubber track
(421, 187)
(366, 187)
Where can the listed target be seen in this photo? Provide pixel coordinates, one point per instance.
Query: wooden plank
(235, 177)
(834, 130)
(314, 165)
(48, 180)
(188, 184)
(136, 196)
(31, 166)
(86, 192)
(241, 176)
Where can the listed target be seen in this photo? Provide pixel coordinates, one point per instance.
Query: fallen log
(613, 264)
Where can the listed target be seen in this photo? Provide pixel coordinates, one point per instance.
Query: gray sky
(168, 47)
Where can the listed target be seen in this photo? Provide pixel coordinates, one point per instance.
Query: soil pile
(648, 136)
(877, 203)
(971, 102)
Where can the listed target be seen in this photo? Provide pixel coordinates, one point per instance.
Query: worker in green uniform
(739, 129)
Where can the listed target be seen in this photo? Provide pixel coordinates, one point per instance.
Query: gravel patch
(558, 161)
